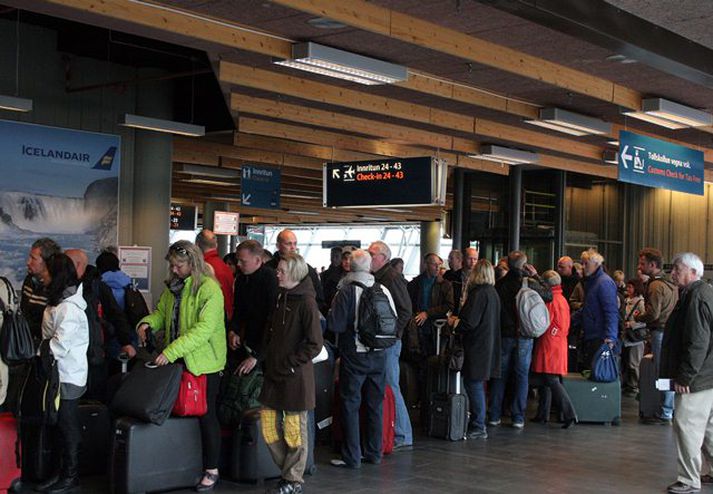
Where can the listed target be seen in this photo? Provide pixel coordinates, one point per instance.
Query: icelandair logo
(104, 163)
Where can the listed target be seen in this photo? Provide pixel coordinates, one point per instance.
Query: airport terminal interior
(564, 131)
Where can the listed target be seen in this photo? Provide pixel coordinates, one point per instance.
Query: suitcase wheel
(616, 421)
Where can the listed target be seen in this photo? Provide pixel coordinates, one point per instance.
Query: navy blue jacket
(599, 317)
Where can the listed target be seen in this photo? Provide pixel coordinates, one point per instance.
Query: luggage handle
(439, 324)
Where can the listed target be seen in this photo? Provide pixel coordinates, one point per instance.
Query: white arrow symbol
(335, 173)
(246, 199)
(625, 157)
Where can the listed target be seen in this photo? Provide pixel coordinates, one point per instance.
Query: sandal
(211, 477)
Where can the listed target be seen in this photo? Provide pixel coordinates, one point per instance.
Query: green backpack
(237, 394)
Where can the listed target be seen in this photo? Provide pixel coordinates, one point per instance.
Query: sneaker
(494, 423)
(655, 421)
(476, 434)
(338, 462)
(518, 425)
(681, 488)
(286, 487)
(707, 479)
(402, 447)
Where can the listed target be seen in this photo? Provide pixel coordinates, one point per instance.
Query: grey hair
(297, 268)
(382, 248)
(552, 278)
(517, 259)
(360, 261)
(690, 260)
(47, 246)
(594, 256)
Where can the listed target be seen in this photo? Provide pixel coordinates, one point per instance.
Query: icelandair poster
(57, 183)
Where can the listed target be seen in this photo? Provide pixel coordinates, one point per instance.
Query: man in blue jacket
(599, 316)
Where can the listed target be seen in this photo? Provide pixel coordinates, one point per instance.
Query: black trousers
(69, 437)
(552, 389)
(210, 427)
(362, 372)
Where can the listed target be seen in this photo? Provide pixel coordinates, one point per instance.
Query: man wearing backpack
(516, 347)
(659, 301)
(363, 313)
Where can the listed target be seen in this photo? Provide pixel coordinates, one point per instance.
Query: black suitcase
(38, 459)
(251, 460)
(594, 401)
(448, 414)
(324, 396)
(649, 396)
(408, 383)
(96, 438)
(147, 457)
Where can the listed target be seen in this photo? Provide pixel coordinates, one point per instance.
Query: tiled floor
(587, 458)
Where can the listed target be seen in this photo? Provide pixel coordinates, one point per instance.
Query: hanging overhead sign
(260, 187)
(655, 163)
(183, 217)
(387, 182)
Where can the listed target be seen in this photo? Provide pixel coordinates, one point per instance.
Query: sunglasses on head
(177, 249)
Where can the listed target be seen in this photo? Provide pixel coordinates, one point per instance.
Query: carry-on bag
(324, 395)
(252, 461)
(147, 457)
(148, 393)
(649, 396)
(594, 401)
(16, 344)
(96, 431)
(10, 448)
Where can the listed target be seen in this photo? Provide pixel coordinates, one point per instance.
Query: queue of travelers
(255, 310)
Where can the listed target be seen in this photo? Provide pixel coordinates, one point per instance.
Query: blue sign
(656, 163)
(260, 187)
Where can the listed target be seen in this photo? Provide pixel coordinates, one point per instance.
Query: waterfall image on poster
(57, 183)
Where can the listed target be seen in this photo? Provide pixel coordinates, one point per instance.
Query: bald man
(565, 268)
(286, 243)
(102, 304)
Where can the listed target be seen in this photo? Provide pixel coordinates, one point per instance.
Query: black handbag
(455, 353)
(16, 344)
(148, 393)
(40, 400)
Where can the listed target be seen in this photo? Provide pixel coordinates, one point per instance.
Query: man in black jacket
(254, 302)
(34, 288)
(687, 359)
(516, 350)
(286, 243)
(385, 274)
(331, 276)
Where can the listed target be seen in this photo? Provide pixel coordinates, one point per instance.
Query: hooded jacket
(201, 342)
(66, 326)
(293, 339)
(117, 281)
(508, 287)
(599, 316)
(660, 299)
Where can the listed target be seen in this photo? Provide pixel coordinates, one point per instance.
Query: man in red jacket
(208, 244)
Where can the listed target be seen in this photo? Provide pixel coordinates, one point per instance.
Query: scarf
(175, 286)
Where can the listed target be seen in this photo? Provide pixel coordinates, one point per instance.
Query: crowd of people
(254, 309)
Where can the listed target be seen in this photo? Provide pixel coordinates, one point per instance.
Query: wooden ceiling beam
(390, 23)
(325, 153)
(252, 77)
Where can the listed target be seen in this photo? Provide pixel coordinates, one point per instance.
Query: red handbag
(191, 401)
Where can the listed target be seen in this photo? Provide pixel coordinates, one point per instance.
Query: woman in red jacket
(549, 360)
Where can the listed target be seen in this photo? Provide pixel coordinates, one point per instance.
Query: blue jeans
(516, 354)
(476, 395)
(666, 410)
(403, 434)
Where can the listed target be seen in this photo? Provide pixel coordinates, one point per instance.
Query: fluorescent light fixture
(396, 210)
(502, 154)
(211, 181)
(653, 119)
(610, 156)
(570, 123)
(208, 171)
(613, 143)
(303, 213)
(159, 125)
(14, 103)
(324, 60)
(298, 196)
(676, 112)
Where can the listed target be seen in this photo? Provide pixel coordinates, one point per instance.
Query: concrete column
(152, 181)
(210, 208)
(430, 237)
(515, 207)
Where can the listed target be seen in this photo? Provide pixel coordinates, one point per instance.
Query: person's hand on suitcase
(161, 360)
(129, 350)
(141, 333)
(421, 318)
(246, 366)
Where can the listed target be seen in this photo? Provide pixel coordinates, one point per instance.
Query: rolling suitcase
(649, 396)
(10, 447)
(251, 460)
(96, 438)
(448, 414)
(408, 383)
(389, 418)
(38, 460)
(324, 396)
(594, 401)
(147, 457)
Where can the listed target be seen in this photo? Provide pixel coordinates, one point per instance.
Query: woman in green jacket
(191, 313)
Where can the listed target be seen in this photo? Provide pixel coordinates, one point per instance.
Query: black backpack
(134, 305)
(98, 326)
(377, 320)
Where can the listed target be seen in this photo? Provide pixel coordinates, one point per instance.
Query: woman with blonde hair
(479, 325)
(191, 313)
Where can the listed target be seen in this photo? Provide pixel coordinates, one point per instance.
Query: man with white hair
(385, 274)
(687, 359)
(599, 316)
(362, 369)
